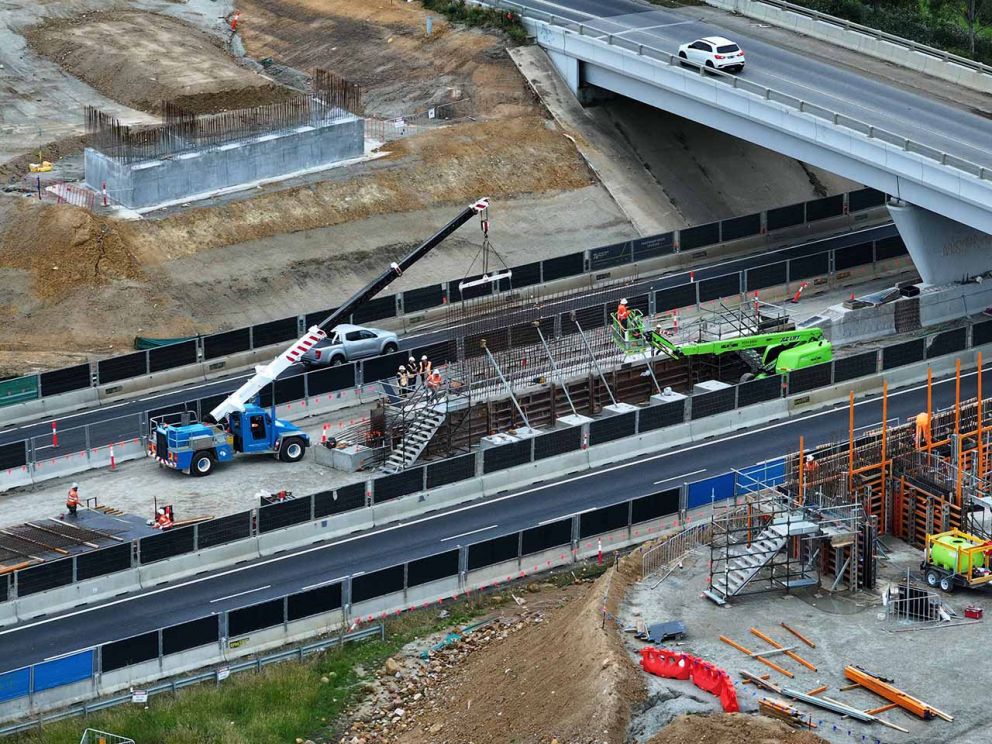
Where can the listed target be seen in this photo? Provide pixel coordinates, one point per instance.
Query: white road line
(646, 28)
(466, 534)
(594, 473)
(241, 594)
(323, 583)
(567, 516)
(68, 653)
(679, 477)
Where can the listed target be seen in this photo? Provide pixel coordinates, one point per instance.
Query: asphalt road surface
(118, 421)
(248, 584)
(951, 129)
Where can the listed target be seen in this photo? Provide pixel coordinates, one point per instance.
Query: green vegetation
(279, 704)
(458, 11)
(957, 26)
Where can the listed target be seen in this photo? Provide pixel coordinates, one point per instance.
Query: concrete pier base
(149, 183)
(943, 250)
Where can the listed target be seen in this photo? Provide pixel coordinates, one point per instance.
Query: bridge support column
(944, 251)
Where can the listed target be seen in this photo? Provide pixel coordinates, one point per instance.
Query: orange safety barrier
(675, 665)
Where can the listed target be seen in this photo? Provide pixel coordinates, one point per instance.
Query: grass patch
(458, 11)
(279, 704)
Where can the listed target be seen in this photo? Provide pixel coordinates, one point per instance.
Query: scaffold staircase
(747, 559)
(419, 417)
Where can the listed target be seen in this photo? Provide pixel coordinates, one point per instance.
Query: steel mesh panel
(756, 391)
(661, 415)
(506, 456)
(223, 530)
(283, 514)
(612, 427)
(708, 404)
(904, 353)
(451, 470)
(859, 365)
(557, 442)
(389, 487)
(801, 380)
(947, 342)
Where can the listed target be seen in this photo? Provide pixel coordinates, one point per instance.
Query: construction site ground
(847, 630)
(77, 285)
(233, 487)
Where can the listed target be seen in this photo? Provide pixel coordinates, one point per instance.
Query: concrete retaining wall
(839, 32)
(152, 182)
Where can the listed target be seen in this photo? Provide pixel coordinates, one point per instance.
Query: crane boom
(740, 343)
(265, 375)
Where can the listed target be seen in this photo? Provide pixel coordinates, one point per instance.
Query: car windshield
(728, 48)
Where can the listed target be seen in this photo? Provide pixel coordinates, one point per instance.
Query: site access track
(174, 397)
(248, 584)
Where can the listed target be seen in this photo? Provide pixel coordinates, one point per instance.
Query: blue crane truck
(238, 424)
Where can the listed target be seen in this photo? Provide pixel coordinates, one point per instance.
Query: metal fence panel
(65, 379)
(506, 456)
(757, 391)
(904, 353)
(450, 470)
(276, 516)
(557, 442)
(387, 487)
(612, 427)
(255, 617)
(63, 671)
(708, 404)
(228, 342)
(859, 365)
(313, 602)
(947, 342)
(432, 568)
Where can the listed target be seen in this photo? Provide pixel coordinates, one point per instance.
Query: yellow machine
(43, 167)
(955, 558)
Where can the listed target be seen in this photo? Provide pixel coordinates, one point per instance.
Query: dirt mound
(733, 728)
(384, 47)
(141, 59)
(566, 678)
(66, 249)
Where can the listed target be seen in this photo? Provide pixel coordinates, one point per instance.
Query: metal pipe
(592, 356)
(554, 367)
(509, 389)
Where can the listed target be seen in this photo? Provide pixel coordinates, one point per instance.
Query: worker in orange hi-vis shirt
(923, 429)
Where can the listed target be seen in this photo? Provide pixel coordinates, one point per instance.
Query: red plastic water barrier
(675, 665)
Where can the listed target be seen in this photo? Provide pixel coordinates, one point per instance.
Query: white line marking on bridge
(646, 28)
(466, 534)
(241, 594)
(875, 399)
(679, 477)
(567, 516)
(323, 583)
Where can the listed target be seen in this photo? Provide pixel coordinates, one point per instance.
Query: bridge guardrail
(770, 94)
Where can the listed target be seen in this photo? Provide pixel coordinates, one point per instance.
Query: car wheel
(932, 578)
(337, 361)
(390, 348)
(709, 63)
(202, 464)
(682, 59)
(947, 584)
(292, 450)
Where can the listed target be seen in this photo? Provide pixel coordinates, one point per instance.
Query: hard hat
(623, 301)
(423, 358)
(75, 485)
(161, 511)
(402, 368)
(412, 359)
(809, 458)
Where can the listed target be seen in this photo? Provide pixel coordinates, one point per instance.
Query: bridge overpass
(932, 157)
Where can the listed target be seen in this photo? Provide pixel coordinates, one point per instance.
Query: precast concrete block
(56, 697)
(72, 401)
(377, 607)
(60, 466)
(318, 531)
(15, 477)
(498, 573)
(190, 564)
(8, 613)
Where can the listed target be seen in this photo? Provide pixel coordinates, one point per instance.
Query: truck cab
(194, 448)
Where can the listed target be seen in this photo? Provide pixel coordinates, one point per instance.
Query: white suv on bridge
(715, 52)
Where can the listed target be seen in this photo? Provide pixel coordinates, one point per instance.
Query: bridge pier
(944, 251)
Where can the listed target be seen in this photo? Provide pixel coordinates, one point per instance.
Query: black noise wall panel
(290, 388)
(757, 391)
(828, 206)
(173, 355)
(46, 576)
(223, 530)
(546, 536)
(493, 551)
(377, 583)
(13, 455)
(432, 568)
(889, 248)
(228, 342)
(809, 266)
(859, 365)
(423, 298)
(557, 442)
(317, 317)
(654, 245)
(904, 353)
(854, 255)
(383, 367)
(4, 587)
(981, 333)
(102, 562)
(193, 634)
(770, 275)
(439, 353)
(526, 275)
(727, 285)
(255, 617)
(283, 514)
(699, 236)
(661, 415)
(558, 268)
(809, 378)
(947, 342)
(166, 545)
(388, 487)
(607, 256)
(656, 505)
(612, 427)
(675, 298)
(122, 367)
(604, 520)
(133, 650)
(708, 404)
(313, 602)
(450, 470)
(332, 379)
(794, 214)
(864, 199)
(65, 379)
(506, 456)
(377, 309)
(274, 332)
(740, 227)
(349, 497)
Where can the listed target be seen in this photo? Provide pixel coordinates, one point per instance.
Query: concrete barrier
(70, 596)
(328, 528)
(498, 573)
(426, 594)
(202, 561)
(376, 607)
(839, 32)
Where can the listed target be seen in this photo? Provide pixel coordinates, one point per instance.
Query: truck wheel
(202, 464)
(947, 584)
(932, 578)
(292, 450)
(337, 361)
(390, 348)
